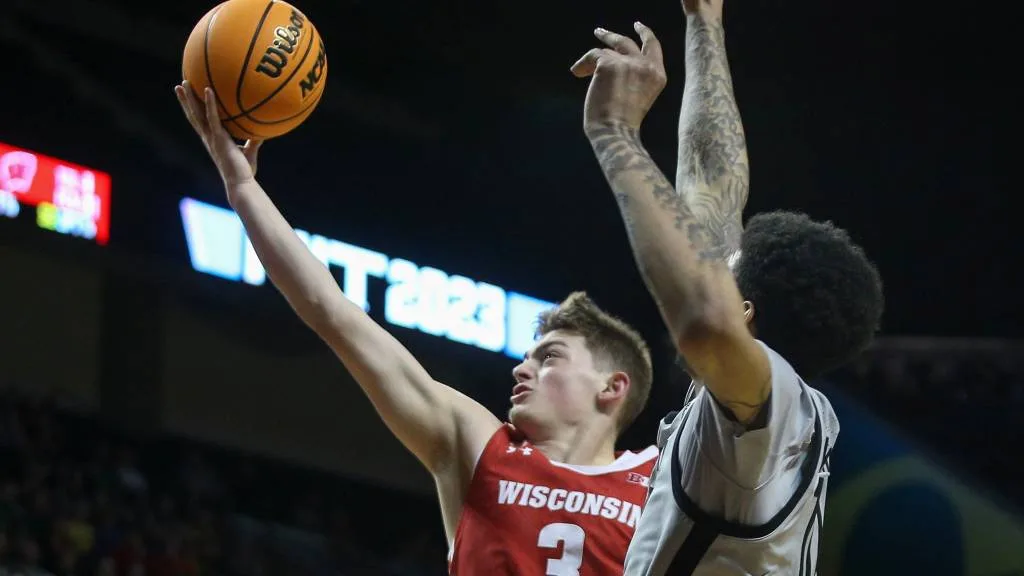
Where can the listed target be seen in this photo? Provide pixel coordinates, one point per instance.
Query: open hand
(237, 164)
(626, 78)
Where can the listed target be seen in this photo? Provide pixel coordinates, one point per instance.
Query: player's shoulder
(789, 388)
(793, 400)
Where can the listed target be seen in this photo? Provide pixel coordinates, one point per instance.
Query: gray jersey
(725, 501)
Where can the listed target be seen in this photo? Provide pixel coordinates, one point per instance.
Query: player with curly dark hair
(740, 483)
(817, 298)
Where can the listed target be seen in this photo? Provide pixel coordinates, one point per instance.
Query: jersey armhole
(503, 430)
(480, 455)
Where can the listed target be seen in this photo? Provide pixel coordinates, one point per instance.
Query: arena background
(449, 137)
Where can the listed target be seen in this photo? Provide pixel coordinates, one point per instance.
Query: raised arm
(713, 173)
(437, 424)
(678, 256)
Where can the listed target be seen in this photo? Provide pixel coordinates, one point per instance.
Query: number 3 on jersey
(571, 536)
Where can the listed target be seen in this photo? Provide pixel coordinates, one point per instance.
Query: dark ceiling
(450, 134)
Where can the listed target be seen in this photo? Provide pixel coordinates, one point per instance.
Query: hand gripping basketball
(237, 164)
(265, 61)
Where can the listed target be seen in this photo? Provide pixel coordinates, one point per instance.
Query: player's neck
(579, 446)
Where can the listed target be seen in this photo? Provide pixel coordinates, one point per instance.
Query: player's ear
(616, 386)
(748, 317)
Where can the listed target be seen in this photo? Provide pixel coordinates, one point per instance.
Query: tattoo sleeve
(672, 247)
(680, 260)
(713, 173)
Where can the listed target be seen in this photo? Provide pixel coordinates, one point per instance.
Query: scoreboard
(66, 198)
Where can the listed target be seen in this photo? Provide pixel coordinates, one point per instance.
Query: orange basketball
(265, 62)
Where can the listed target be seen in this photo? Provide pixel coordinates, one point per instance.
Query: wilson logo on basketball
(286, 38)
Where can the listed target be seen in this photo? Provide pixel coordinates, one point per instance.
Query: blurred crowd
(961, 401)
(78, 499)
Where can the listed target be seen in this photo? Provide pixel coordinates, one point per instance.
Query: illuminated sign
(68, 198)
(418, 297)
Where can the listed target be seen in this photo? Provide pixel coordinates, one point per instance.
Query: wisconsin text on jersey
(527, 515)
(511, 493)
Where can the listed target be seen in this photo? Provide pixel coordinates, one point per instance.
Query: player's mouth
(519, 393)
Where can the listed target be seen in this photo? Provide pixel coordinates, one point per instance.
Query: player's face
(556, 385)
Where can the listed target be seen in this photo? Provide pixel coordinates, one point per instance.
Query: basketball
(265, 62)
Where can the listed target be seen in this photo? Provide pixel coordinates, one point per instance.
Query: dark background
(889, 120)
(450, 134)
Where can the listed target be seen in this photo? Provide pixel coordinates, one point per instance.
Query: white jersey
(725, 501)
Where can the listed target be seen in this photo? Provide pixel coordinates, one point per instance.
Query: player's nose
(522, 372)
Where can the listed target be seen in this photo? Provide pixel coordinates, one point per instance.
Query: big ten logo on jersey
(640, 479)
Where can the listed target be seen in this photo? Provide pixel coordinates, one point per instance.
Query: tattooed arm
(679, 256)
(680, 260)
(713, 173)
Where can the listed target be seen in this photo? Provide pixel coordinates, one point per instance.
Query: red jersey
(525, 515)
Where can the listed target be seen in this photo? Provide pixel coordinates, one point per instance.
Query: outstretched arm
(679, 257)
(713, 173)
(437, 424)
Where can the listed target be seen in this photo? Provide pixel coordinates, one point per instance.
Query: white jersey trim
(626, 461)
